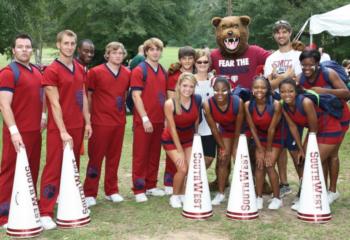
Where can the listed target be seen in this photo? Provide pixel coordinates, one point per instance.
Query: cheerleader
(227, 111)
(325, 80)
(301, 111)
(182, 117)
(263, 115)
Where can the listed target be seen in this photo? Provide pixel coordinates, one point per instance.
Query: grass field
(157, 220)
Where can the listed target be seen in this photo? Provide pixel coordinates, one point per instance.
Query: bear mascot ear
(245, 20)
(216, 21)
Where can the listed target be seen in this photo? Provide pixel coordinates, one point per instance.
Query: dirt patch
(183, 235)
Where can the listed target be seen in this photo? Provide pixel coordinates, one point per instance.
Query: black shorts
(209, 146)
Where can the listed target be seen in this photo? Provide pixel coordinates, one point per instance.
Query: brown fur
(233, 26)
(174, 68)
(298, 45)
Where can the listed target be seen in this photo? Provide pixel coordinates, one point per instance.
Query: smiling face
(259, 89)
(309, 66)
(187, 88)
(232, 33)
(187, 63)
(288, 93)
(221, 91)
(282, 36)
(202, 64)
(67, 45)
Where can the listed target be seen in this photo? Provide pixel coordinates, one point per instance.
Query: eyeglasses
(202, 62)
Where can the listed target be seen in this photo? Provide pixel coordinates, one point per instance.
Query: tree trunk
(229, 7)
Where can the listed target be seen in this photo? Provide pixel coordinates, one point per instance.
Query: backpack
(14, 68)
(327, 102)
(129, 101)
(244, 93)
(324, 66)
(16, 72)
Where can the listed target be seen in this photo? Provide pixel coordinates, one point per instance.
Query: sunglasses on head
(281, 22)
(202, 62)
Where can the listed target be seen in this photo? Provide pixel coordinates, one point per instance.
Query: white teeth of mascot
(231, 40)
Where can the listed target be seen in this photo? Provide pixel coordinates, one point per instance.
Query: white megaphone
(313, 203)
(242, 199)
(24, 216)
(197, 204)
(72, 208)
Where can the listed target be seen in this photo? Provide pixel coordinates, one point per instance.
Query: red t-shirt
(172, 80)
(108, 95)
(71, 91)
(27, 96)
(153, 92)
(240, 70)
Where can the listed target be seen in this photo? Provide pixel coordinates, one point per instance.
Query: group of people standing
(169, 107)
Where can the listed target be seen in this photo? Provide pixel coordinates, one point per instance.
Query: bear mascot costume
(237, 60)
(234, 57)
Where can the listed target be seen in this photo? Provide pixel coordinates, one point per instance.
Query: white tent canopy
(336, 22)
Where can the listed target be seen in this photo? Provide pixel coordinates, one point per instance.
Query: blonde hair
(112, 46)
(202, 53)
(152, 42)
(177, 98)
(66, 32)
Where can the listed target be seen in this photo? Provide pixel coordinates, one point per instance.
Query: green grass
(157, 220)
(169, 56)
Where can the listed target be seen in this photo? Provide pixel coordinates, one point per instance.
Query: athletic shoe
(90, 201)
(275, 204)
(295, 206)
(332, 196)
(141, 197)
(168, 190)
(182, 198)
(155, 192)
(48, 223)
(259, 203)
(285, 190)
(116, 197)
(219, 198)
(175, 201)
(4, 226)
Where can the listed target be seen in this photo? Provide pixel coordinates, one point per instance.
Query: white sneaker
(155, 192)
(141, 197)
(90, 201)
(219, 198)
(48, 223)
(259, 203)
(295, 206)
(4, 226)
(275, 204)
(116, 197)
(175, 201)
(332, 196)
(182, 198)
(168, 190)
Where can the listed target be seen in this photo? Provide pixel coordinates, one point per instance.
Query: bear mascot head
(232, 35)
